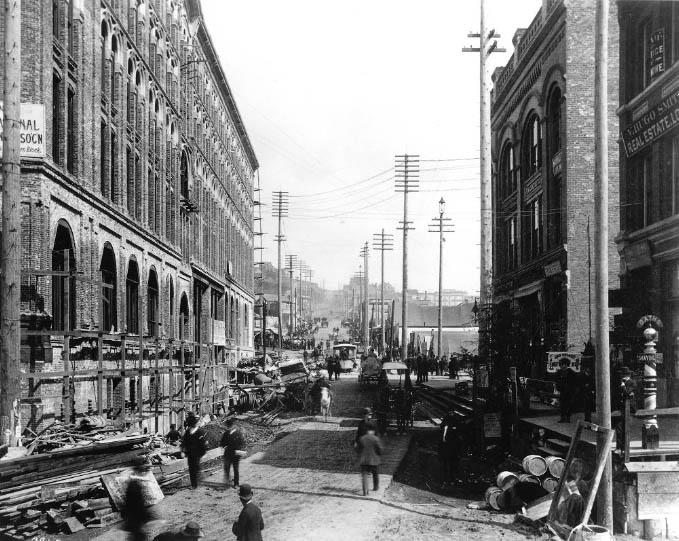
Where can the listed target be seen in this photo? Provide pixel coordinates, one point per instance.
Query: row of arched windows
(532, 215)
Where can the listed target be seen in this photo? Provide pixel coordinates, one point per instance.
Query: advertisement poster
(32, 138)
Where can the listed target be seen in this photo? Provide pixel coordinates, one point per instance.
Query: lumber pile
(60, 490)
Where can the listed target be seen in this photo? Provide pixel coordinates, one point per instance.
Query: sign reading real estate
(652, 125)
(32, 137)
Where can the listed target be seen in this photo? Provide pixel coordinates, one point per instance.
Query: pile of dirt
(253, 434)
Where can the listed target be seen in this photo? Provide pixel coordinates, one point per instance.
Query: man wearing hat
(250, 524)
(194, 446)
(190, 532)
(234, 445)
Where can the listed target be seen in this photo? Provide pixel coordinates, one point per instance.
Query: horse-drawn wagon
(369, 372)
(395, 397)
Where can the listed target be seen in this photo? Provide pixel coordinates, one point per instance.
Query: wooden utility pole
(291, 260)
(440, 226)
(366, 298)
(383, 242)
(603, 389)
(280, 210)
(407, 173)
(485, 49)
(10, 277)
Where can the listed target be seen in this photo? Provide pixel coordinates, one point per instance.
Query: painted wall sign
(656, 54)
(658, 121)
(491, 425)
(32, 137)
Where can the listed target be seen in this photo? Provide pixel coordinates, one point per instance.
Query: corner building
(649, 186)
(137, 214)
(542, 120)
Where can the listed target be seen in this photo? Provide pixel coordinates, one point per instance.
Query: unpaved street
(307, 485)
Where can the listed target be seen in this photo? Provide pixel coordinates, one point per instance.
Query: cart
(369, 372)
(395, 397)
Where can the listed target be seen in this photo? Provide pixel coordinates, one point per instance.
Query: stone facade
(143, 201)
(543, 185)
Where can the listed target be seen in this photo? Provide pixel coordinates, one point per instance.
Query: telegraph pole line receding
(366, 304)
(485, 49)
(440, 226)
(280, 210)
(407, 173)
(290, 266)
(10, 275)
(383, 242)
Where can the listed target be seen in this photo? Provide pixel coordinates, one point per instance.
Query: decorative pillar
(650, 437)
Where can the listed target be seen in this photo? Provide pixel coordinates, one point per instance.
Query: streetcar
(347, 356)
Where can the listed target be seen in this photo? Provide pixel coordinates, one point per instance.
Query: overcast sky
(330, 91)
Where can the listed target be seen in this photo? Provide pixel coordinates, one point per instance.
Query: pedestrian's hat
(245, 492)
(625, 371)
(192, 529)
(367, 411)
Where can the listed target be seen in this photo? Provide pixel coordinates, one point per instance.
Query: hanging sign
(554, 359)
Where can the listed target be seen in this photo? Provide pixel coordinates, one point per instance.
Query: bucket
(550, 484)
(492, 495)
(506, 479)
(555, 465)
(528, 478)
(535, 465)
(592, 533)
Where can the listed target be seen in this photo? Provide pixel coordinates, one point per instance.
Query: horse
(326, 401)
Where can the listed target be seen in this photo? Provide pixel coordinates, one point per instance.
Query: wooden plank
(660, 412)
(652, 506)
(634, 467)
(636, 452)
(658, 483)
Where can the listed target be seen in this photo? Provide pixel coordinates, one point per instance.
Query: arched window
(109, 308)
(153, 319)
(507, 184)
(63, 287)
(184, 176)
(171, 310)
(554, 122)
(132, 297)
(184, 318)
(531, 146)
(554, 186)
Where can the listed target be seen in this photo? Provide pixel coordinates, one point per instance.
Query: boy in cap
(362, 425)
(250, 524)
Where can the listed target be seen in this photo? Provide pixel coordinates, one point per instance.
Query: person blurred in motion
(250, 524)
(370, 457)
(136, 513)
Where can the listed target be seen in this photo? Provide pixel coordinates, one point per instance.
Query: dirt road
(307, 485)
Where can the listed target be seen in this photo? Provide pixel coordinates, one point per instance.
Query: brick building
(543, 152)
(137, 213)
(649, 182)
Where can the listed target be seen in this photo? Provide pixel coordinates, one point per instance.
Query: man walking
(363, 425)
(194, 446)
(370, 457)
(565, 384)
(234, 445)
(250, 524)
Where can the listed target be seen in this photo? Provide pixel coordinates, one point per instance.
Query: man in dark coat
(449, 447)
(234, 445)
(194, 447)
(370, 457)
(250, 524)
(173, 436)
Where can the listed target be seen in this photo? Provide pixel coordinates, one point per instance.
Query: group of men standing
(424, 366)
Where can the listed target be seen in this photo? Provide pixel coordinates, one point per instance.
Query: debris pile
(60, 490)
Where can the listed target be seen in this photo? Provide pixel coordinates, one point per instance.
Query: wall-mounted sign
(554, 361)
(656, 54)
(658, 121)
(32, 136)
(556, 163)
(491, 425)
(649, 320)
(219, 332)
(553, 268)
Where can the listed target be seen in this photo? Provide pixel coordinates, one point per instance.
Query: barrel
(555, 465)
(528, 478)
(492, 495)
(550, 484)
(535, 465)
(592, 532)
(506, 479)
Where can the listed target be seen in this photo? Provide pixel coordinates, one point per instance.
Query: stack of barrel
(537, 470)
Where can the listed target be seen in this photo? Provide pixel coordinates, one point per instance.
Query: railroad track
(435, 403)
